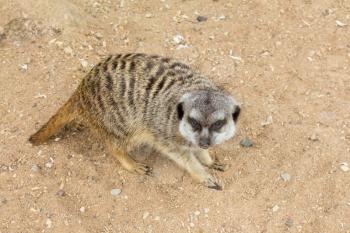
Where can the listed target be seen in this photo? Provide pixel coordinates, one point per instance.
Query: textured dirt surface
(285, 61)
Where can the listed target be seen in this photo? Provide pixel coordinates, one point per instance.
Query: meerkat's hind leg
(190, 163)
(116, 147)
(125, 160)
(205, 158)
(129, 164)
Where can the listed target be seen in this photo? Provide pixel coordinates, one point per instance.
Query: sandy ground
(285, 61)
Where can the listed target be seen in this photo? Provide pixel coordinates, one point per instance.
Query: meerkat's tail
(66, 114)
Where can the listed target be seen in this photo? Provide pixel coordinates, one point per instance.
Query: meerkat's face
(207, 118)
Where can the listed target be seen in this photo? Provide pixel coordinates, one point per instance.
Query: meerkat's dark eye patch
(195, 124)
(236, 113)
(180, 111)
(217, 125)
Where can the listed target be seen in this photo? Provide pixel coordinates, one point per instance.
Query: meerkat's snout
(204, 139)
(207, 118)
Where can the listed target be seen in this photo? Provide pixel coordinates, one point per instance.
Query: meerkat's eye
(217, 125)
(195, 124)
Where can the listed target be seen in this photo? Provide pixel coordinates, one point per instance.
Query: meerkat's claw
(216, 186)
(149, 170)
(143, 169)
(219, 166)
(212, 184)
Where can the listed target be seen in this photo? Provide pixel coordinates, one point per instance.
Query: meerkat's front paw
(219, 166)
(211, 183)
(142, 169)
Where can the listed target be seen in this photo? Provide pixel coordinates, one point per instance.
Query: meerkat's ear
(236, 113)
(180, 110)
(180, 105)
(236, 110)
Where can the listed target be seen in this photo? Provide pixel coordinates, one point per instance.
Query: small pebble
(197, 213)
(3, 201)
(222, 17)
(48, 223)
(289, 222)
(58, 43)
(278, 43)
(206, 210)
(116, 192)
(35, 168)
(157, 218)
(268, 121)
(178, 39)
(148, 15)
(236, 58)
(68, 50)
(84, 63)
(201, 18)
(313, 137)
(82, 209)
(57, 139)
(340, 24)
(52, 41)
(34, 210)
(41, 96)
(145, 215)
(98, 35)
(246, 142)
(275, 208)
(326, 12)
(191, 224)
(344, 166)
(50, 163)
(181, 46)
(61, 193)
(285, 177)
(23, 67)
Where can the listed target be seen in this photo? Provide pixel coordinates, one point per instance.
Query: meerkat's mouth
(204, 146)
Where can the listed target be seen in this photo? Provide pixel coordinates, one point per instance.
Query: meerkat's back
(132, 91)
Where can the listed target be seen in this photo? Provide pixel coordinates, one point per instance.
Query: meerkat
(132, 99)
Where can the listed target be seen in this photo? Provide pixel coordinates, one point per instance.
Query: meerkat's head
(207, 117)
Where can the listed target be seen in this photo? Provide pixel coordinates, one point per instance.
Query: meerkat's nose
(204, 143)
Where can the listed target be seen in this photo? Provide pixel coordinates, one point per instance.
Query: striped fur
(133, 91)
(129, 99)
